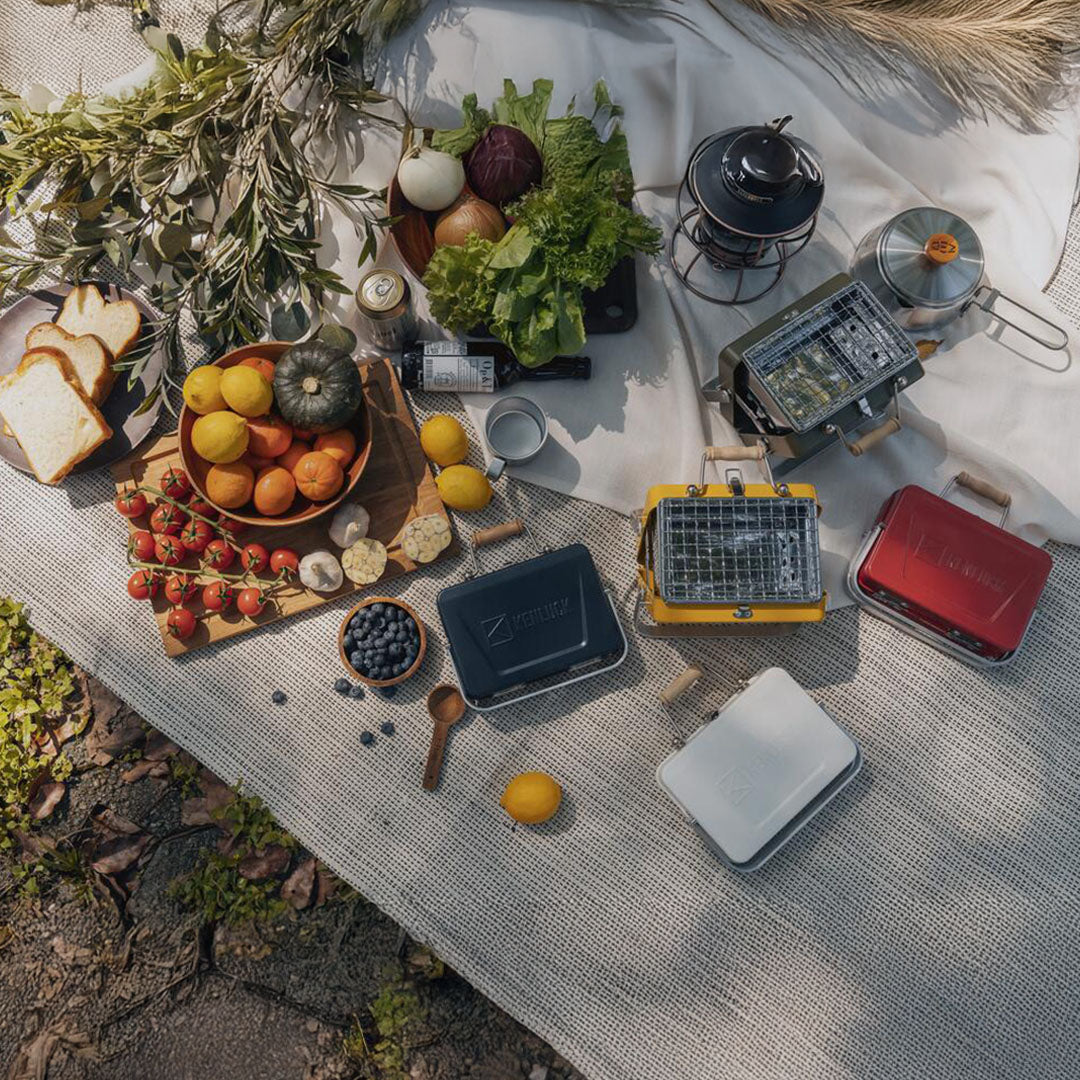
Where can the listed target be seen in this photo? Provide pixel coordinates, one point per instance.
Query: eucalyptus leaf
(289, 323)
(174, 240)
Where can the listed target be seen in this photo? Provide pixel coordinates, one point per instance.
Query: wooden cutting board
(396, 486)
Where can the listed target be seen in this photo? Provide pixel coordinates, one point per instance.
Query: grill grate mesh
(737, 550)
(829, 355)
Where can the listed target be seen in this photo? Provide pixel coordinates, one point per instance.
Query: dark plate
(119, 408)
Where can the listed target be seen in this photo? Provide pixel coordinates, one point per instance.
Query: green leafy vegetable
(568, 234)
(459, 141)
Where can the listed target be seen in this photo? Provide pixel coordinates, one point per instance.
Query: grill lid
(930, 257)
(737, 550)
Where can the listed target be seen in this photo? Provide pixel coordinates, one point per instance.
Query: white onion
(430, 179)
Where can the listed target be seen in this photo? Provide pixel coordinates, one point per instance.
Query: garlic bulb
(320, 571)
(349, 524)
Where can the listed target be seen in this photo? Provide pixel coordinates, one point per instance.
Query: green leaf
(175, 47)
(338, 337)
(289, 323)
(173, 240)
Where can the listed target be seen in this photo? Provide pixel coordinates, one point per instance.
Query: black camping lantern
(748, 202)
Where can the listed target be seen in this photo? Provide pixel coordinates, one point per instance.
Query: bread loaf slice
(116, 324)
(90, 359)
(55, 422)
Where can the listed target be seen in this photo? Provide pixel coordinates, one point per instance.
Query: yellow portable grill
(717, 559)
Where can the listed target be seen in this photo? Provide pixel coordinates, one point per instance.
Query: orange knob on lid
(941, 248)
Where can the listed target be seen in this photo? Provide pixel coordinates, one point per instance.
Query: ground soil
(84, 996)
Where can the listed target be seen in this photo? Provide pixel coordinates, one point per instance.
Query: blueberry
(387, 727)
(342, 685)
(410, 625)
(278, 697)
(367, 738)
(377, 609)
(386, 692)
(401, 635)
(355, 659)
(395, 651)
(384, 672)
(393, 615)
(356, 692)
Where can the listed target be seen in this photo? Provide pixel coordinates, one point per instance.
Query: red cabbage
(503, 164)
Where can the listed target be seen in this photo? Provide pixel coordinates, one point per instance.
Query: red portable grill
(950, 577)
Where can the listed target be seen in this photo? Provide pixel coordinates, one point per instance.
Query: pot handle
(872, 438)
(983, 488)
(680, 684)
(484, 537)
(757, 451)
(987, 302)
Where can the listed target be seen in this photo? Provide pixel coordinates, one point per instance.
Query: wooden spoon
(447, 707)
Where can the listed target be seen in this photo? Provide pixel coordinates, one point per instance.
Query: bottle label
(448, 368)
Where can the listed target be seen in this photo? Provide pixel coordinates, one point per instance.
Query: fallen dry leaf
(110, 821)
(194, 811)
(327, 882)
(33, 847)
(269, 862)
(115, 856)
(138, 771)
(104, 746)
(32, 1060)
(159, 747)
(298, 886)
(218, 794)
(46, 799)
(926, 347)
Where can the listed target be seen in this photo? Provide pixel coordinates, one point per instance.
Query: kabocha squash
(317, 388)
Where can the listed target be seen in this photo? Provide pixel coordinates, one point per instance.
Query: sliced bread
(44, 404)
(116, 324)
(90, 359)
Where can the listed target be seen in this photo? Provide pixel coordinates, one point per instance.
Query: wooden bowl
(302, 509)
(412, 670)
(414, 231)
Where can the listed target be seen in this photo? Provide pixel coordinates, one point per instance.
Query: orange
(229, 486)
(268, 436)
(318, 476)
(274, 491)
(257, 463)
(262, 365)
(340, 444)
(303, 433)
(297, 449)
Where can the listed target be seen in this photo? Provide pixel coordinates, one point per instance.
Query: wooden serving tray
(396, 486)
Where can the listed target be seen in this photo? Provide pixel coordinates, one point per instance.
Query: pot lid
(930, 257)
(758, 180)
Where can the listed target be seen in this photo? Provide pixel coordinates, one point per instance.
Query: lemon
(444, 440)
(531, 797)
(246, 390)
(220, 436)
(464, 488)
(202, 390)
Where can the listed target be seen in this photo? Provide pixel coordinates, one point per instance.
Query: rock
(539, 1072)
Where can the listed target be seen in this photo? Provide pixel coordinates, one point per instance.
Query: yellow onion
(469, 215)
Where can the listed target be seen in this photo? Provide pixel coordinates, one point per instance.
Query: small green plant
(395, 1011)
(36, 681)
(184, 773)
(36, 878)
(215, 888)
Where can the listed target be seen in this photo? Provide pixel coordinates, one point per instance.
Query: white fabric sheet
(998, 408)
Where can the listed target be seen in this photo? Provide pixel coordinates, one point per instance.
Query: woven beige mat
(926, 925)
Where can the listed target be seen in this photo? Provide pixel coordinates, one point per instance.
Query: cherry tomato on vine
(219, 555)
(130, 504)
(142, 585)
(168, 550)
(175, 483)
(218, 596)
(251, 601)
(181, 623)
(254, 558)
(141, 545)
(199, 505)
(285, 563)
(196, 535)
(167, 520)
(180, 588)
(230, 526)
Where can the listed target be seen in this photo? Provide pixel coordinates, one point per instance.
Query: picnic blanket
(924, 925)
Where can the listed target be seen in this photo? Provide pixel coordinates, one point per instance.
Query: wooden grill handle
(985, 489)
(872, 438)
(735, 453)
(680, 684)
(483, 537)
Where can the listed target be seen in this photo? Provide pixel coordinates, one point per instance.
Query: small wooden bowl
(302, 509)
(413, 232)
(412, 670)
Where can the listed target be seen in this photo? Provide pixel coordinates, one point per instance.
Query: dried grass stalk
(1012, 58)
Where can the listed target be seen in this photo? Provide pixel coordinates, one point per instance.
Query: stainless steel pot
(926, 266)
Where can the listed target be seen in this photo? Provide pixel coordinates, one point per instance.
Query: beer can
(385, 304)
